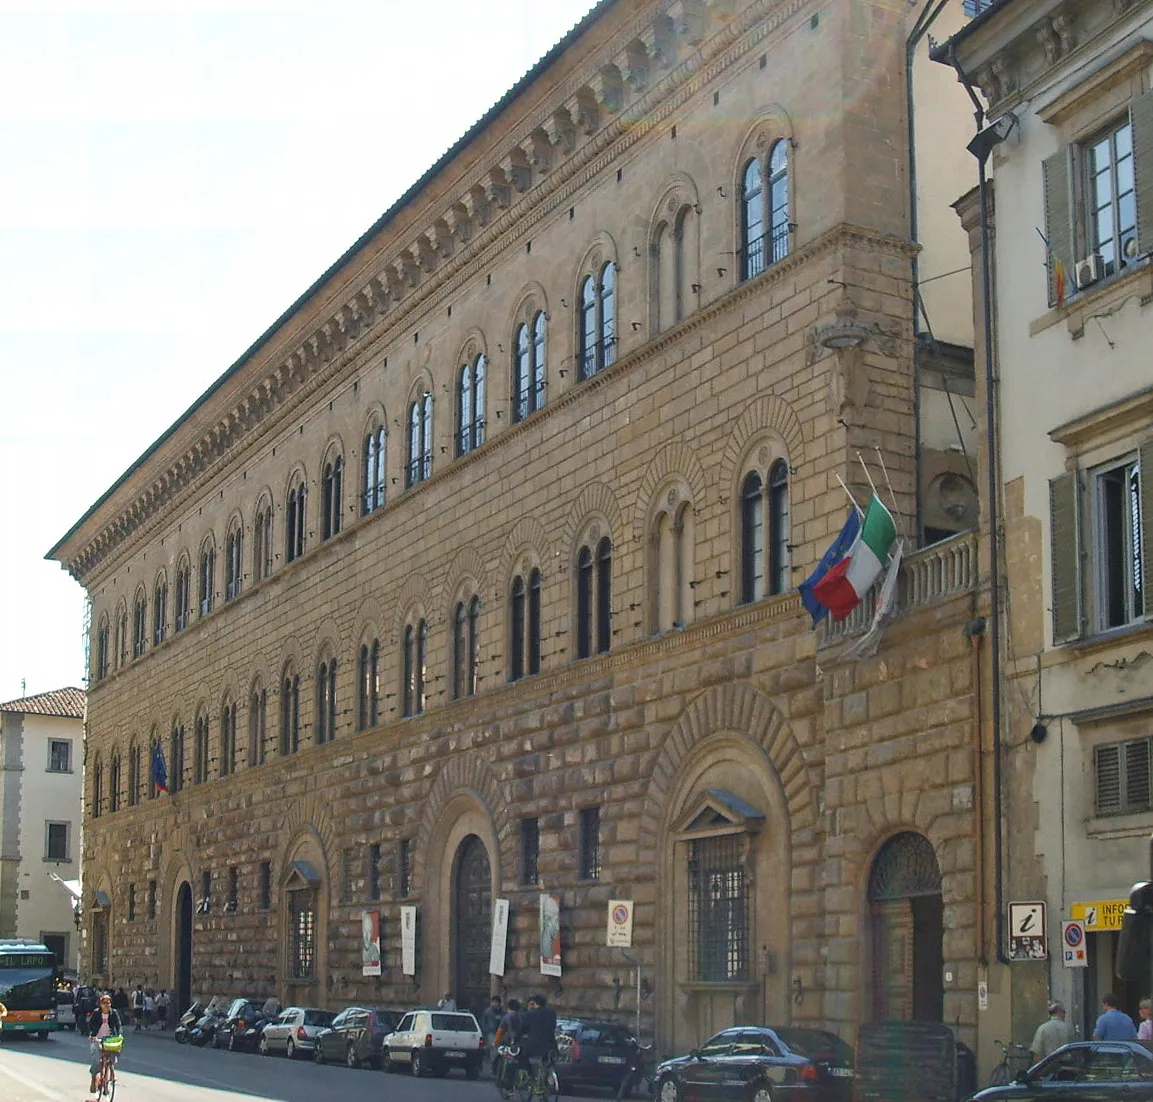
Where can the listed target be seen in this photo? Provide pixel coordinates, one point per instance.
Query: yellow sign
(1104, 914)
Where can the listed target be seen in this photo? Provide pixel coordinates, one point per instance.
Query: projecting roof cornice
(441, 234)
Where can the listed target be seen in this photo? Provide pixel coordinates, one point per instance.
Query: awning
(101, 900)
(306, 871)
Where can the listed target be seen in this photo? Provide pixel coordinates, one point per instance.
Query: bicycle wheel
(525, 1086)
(552, 1084)
(1001, 1075)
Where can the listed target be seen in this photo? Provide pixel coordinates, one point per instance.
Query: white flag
(867, 645)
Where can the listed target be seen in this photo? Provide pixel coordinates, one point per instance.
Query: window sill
(716, 987)
(1136, 824)
(1105, 297)
(58, 860)
(1104, 640)
(60, 771)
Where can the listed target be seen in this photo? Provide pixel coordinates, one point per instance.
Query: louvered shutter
(1137, 775)
(1065, 556)
(1057, 173)
(1145, 463)
(1141, 117)
(1108, 770)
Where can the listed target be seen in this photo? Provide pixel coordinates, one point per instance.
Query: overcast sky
(174, 174)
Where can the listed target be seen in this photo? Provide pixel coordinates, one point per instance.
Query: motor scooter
(187, 1020)
(201, 1033)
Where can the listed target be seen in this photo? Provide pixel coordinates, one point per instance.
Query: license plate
(455, 1055)
(610, 1059)
(841, 1073)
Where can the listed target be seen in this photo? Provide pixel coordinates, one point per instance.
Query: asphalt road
(154, 1068)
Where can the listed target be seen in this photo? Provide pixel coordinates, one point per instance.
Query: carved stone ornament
(672, 204)
(763, 457)
(524, 565)
(595, 533)
(673, 497)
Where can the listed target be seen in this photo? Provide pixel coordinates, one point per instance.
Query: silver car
(294, 1030)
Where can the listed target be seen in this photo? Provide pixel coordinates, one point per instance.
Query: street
(156, 1069)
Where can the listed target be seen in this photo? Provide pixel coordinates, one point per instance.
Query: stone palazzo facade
(475, 578)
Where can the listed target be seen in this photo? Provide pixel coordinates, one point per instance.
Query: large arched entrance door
(472, 921)
(183, 954)
(905, 913)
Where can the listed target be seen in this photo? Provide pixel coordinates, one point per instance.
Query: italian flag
(845, 585)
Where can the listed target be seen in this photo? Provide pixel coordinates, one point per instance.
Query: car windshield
(605, 1033)
(816, 1044)
(27, 988)
(318, 1017)
(460, 1023)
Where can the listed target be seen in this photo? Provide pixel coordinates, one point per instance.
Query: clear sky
(174, 174)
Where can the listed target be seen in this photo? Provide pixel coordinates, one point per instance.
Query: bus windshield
(28, 982)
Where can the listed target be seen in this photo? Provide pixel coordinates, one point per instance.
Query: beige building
(41, 785)
(475, 578)
(1069, 88)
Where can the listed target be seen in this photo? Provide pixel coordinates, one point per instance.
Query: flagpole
(872, 486)
(889, 484)
(848, 493)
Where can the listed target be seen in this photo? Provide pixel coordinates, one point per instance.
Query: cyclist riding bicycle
(102, 1022)
(537, 1033)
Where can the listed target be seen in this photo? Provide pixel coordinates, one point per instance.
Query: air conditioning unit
(1088, 271)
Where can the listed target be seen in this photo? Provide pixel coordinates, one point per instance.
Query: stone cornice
(595, 114)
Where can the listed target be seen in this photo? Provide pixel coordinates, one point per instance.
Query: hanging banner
(499, 937)
(408, 940)
(620, 933)
(370, 943)
(549, 935)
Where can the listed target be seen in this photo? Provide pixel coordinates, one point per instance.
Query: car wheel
(350, 1057)
(290, 1049)
(232, 1045)
(216, 1039)
(419, 1065)
(761, 1092)
(264, 1047)
(317, 1054)
(669, 1090)
(386, 1063)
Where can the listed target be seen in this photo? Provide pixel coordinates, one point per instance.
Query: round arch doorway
(472, 924)
(182, 955)
(906, 915)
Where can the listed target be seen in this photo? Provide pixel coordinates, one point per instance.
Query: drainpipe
(924, 21)
(994, 541)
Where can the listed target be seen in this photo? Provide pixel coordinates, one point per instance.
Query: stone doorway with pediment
(906, 916)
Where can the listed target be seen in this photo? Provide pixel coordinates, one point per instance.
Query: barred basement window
(151, 899)
(374, 871)
(233, 890)
(404, 869)
(265, 886)
(718, 926)
(131, 902)
(1123, 780)
(590, 826)
(205, 906)
(346, 876)
(529, 851)
(302, 935)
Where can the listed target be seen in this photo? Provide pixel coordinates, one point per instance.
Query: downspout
(924, 21)
(994, 542)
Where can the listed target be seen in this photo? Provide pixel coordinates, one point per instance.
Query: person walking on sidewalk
(137, 1008)
(162, 1008)
(1051, 1035)
(1114, 1024)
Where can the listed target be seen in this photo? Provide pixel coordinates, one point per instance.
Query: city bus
(28, 987)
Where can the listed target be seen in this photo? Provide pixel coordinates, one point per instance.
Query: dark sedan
(759, 1064)
(592, 1053)
(355, 1036)
(1085, 1071)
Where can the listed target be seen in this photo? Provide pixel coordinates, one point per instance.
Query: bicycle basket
(112, 1044)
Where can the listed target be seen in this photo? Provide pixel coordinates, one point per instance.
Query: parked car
(294, 1031)
(356, 1036)
(1105, 1070)
(244, 1020)
(762, 1064)
(592, 1053)
(433, 1042)
(65, 1008)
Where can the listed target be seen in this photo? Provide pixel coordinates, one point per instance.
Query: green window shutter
(1057, 173)
(1107, 760)
(1141, 117)
(1137, 775)
(1145, 463)
(1065, 556)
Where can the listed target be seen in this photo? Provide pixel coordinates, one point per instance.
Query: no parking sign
(620, 931)
(1073, 945)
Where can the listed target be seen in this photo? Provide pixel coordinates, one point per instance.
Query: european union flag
(840, 547)
(159, 773)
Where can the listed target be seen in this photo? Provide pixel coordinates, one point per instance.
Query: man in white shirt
(1051, 1035)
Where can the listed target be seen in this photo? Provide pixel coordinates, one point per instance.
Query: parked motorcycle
(201, 1033)
(187, 1020)
(640, 1074)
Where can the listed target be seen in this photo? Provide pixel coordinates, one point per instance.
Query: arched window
(97, 788)
(257, 724)
(465, 648)
(207, 577)
(262, 543)
(584, 602)
(176, 759)
(604, 595)
(160, 610)
(529, 375)
(673, 541)
(516, 629)
(183, 594)
(765, 225)
(598, 339)
(589, 345)
(419, 441)
(332, 497)
(227, 738)
(140, 624)
(534, 612)
(101, 670)
(368, 685)
(326, 702)
(114, 782)
(415, 649)
(233, 563)
(294, 521)
(765, 564)
(121, 636)
(200, 750)
(372, 495)
(153, 749)
(134, 774)
(470, 402)
(290, 712)
(594, 598)
(524, 627)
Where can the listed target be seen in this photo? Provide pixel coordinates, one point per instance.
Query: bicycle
(640, 1072)
(542, 1083)
(1014, 1059)
(106, 1077)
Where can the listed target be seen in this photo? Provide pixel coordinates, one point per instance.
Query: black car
(761, 1064)
(242, 1025)
(355, 1036)
(592, 1053)
(1084, 1071)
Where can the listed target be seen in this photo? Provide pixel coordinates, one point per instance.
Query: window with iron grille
(529, 374)
(374, 871)
(205, 892)
(529, 851)
(470, 405)
(1123, 780)
(131, 902)
(151, 898)
(404, 869)
(265, 886)
(718, 926)
(765, 225)
(302, 936)
(100, 942)
(346, 876)
(233, 890)
(590, 820)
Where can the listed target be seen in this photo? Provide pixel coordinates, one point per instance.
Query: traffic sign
(1073, 945)
(620, 928)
